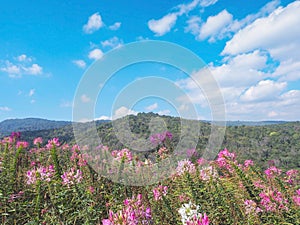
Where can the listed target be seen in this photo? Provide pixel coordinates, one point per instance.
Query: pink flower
(91, 189)
(291, 175)
(251, 207)
(248, 163)
(160, 137)
(159, 192)
(106, 222)
(199, 220)
(272, 171)
(134, 212)
(38, 141)
(45, 174)
(124, 155)
(185, 166)
(22, 144)
(201, 161)
(208, 173)
(70, 177)
(296, 198)
(224, 159)
(53, 143)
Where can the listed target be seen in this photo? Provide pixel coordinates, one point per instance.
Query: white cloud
(215, 26)
(32, 101)
(5, 108)
(20, 65)
(31, 92)
(24, 58)
(94, 23)
(103, 118)
(113, 42)
(164, 112)
(152, 107)
(115, 26)
(95, 54)
(10, 68)
(34, 69)
(271, 33)
(80, 63)
(265, 90)
(123, 111)
(163, 25)
(194, 25)
(85, 99)
(206, 3)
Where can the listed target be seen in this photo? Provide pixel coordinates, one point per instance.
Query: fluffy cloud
(115, 26)
(95, 54)
(94, 23)
(21, 65)
(215, 25)
(113, 42)
(80, 63)
(273, 33)
(206, 3)
(103, 118)
(34, 69)
(265, 90)
(123, 111)
(5, 108)
(24, 58)
(163, 25)
(194, 25)
(11, 68)
(152, 107)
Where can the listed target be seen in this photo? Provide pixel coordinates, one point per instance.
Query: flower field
(53, 183)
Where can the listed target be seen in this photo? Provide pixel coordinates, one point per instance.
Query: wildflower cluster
(133, 213)
(190, 215)
(41, 173)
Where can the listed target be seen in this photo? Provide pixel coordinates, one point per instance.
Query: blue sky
(251, 48)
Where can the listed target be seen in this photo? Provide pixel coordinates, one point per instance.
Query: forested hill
(29, 124)
(266, 144)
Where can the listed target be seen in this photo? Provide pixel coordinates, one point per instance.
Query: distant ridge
(29, 124)
(254, 123)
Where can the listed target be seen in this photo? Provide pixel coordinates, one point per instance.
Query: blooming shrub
(54, 184)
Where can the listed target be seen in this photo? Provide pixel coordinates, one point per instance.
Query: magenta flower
(41, 173)
(15, 135)
(248, 163)
(38, 141)
(133, 213)
(124, 155)
(53, 143)
(159, 192)
(22, 144)
(224, 157)
(70, 178)
(296, 198)
(160, 137)
(272, 172)
(291, 175)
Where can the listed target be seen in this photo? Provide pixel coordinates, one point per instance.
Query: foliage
(54, 184)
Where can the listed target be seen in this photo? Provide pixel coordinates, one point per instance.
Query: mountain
(29, 124)
(264, 142)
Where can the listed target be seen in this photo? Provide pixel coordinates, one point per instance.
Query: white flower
(188, 211)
